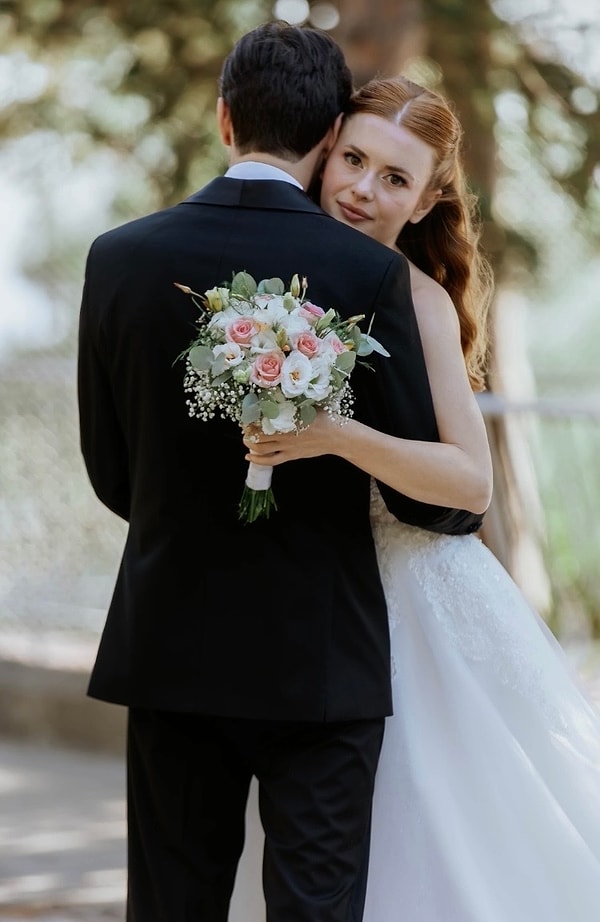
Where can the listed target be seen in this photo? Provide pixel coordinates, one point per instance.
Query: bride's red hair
(444, 244)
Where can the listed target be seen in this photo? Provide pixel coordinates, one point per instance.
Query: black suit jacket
(283, 618)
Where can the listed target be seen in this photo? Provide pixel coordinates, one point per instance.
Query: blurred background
(107, 113)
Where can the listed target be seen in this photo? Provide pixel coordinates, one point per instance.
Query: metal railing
(59, 548)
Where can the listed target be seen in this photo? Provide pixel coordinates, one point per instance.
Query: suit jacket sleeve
(103, 443)
(396, 398)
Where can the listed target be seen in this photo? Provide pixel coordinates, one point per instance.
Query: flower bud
(216, 299)
(295, 286)
(241, 374)
(186, 289)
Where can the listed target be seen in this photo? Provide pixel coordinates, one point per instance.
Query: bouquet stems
(257, 499)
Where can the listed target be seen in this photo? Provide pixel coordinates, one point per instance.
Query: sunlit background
(106, 113)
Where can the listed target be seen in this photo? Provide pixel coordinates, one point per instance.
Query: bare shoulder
(436, 314)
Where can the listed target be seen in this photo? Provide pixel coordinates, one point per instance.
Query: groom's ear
(428, 201)
(332, 135)
(224, 122)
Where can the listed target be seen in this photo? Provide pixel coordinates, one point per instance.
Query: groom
(259, 649)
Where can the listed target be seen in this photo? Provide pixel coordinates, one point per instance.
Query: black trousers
(188, 782)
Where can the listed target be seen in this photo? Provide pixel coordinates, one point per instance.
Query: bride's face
(376, 177)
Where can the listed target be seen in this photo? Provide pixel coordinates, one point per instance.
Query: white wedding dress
(487, 798)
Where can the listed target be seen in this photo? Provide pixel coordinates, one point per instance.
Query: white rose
(296, 373)
(284, 422)
(232, 353)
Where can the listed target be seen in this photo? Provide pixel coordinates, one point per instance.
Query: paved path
(62, 834)
(62, 838)
(62, 831)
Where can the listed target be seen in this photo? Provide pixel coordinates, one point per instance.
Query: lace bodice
(472, 598)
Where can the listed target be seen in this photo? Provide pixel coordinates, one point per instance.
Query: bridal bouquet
(268, 358)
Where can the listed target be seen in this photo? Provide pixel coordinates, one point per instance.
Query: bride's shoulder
(433, 304)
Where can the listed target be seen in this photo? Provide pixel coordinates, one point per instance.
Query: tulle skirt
(487, 798)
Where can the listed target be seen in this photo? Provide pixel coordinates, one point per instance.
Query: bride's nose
(363, 187)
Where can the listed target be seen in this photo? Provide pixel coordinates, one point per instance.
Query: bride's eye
(352, 159)
(394, 179)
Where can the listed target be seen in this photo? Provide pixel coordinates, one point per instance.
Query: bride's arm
(454, 472)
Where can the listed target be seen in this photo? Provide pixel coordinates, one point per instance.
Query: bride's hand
(320, 438)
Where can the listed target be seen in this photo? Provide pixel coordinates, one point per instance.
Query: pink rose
(335, 343)
(311, 311)
(308, 344)
(241, 330)
(266, 370)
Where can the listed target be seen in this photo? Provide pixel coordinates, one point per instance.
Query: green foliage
(244, 285)
(138, 77)
(482, 59)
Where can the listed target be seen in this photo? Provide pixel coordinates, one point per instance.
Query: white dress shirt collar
(255, 169)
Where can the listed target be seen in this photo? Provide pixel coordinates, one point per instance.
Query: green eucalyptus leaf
(269, 408)
(201, 358)
(308, 414)
(375, 346)
(218, 366)
(222, 378)
(244, 285)
(250, 409)
(250, 400)
(272, 286)
(250, 415)
(346, 361)
(337, 378)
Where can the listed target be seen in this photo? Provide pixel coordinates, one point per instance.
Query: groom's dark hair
(284, 86)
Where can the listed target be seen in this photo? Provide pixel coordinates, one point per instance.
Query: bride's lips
(352, 213)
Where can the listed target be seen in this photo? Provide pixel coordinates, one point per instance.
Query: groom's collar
(256, 169)
(254, 193)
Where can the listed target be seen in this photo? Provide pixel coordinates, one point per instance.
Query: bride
(487, 800)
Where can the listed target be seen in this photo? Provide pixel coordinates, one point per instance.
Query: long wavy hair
(445, 244)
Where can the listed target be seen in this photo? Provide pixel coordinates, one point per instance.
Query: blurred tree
(141, 78)
(465, 49)
(131, 87)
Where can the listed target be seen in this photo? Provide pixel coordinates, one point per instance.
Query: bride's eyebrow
(392, 169)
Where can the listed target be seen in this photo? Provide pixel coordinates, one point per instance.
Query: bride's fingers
(272, 459)
(261, 448)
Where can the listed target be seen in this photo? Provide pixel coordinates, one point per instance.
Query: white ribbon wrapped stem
(258, 477)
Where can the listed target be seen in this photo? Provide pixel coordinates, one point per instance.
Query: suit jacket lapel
(253, 193)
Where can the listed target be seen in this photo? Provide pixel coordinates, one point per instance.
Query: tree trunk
(378, 36)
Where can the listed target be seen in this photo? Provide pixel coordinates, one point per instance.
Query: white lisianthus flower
(272, 312)
(319, 385)
(232, 352)
(294, 324)
(263, 342)
(284, 422)
(222, 320)
(296, 373)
